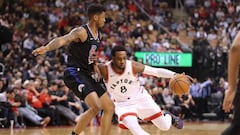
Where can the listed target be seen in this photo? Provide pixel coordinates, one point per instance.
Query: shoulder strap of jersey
(88, 31)
(130, 65)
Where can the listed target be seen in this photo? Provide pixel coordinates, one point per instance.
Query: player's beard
(121, 67)
(100, 25)
(117, 66)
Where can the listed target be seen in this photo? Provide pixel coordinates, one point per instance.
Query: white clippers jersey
(122, 86)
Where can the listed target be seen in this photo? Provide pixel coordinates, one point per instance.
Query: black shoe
(73, 133)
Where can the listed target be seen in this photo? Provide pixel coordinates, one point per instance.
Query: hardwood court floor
(190, 128)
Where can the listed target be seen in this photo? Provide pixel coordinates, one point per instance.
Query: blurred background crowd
(32, 92)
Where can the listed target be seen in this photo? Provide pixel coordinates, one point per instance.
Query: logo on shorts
(80, 87)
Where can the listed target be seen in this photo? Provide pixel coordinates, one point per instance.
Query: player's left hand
(39, 51)
(97, 73)
(228, 100)
(93, 58)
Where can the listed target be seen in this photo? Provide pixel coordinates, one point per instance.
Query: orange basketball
(180, 84)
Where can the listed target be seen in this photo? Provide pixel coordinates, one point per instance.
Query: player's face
(101, 19)
(119, 60)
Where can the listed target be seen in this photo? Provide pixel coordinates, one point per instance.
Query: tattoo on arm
(63, 40)
(54, 44)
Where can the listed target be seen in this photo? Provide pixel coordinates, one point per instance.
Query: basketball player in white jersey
(130, 98)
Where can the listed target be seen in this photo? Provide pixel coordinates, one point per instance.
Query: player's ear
(95, 17)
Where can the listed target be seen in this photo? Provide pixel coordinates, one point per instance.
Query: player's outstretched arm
(233, 71)
(77, 34)
(158, 72)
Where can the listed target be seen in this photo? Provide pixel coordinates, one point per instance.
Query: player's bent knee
(165, 127)
(163, 123)
(95, 109)
(110, 107)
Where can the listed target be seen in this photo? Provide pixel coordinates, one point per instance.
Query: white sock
(131, 122)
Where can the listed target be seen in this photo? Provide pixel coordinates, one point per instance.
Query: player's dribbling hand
(228, 100)
(39, 51)
(190, 79)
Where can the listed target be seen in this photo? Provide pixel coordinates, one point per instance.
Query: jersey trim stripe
(127, 114)
(122, 126)
(97, 36)
(133, 70)
(153, 116)
(74, 74)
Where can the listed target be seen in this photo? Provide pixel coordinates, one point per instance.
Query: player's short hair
(117, 48)
(94, 9)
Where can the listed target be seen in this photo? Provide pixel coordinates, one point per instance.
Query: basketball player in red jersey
(130, 98)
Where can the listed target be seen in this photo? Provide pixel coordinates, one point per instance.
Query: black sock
(73, 133)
